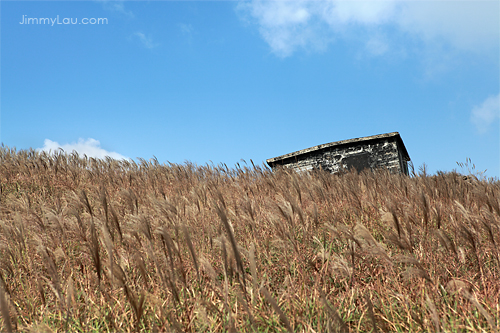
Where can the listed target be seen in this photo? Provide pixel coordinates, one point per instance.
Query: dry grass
(103, 245)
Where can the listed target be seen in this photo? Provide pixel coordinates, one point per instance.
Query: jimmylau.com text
(62, 21)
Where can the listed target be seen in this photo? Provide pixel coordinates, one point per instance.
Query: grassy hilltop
(104, 245)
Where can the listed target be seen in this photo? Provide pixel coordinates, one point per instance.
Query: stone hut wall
(361, 155)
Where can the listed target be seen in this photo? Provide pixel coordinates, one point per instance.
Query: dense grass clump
(104, 245)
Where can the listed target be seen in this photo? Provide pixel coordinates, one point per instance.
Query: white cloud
(469, 25)
(286, 25)
(338, 13)
(482, 116)
(145, 40)
(89, 147)
(280, 13)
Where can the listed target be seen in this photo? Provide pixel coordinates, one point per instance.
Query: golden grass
(106, 245)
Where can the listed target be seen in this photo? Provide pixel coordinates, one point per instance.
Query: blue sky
(222, 81)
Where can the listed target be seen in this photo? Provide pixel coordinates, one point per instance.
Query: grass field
(104, 245)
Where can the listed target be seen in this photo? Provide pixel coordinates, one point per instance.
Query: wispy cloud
(288, 26)
(187, 31)
(377, 46)
(89, 147)
(186, 28)
(482, 116)
(117, 6)
(147, 41)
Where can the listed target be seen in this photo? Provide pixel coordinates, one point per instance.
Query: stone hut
(383, 150)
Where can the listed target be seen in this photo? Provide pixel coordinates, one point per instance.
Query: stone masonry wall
(372, 155)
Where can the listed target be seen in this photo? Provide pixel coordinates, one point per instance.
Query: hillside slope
(106, 245)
